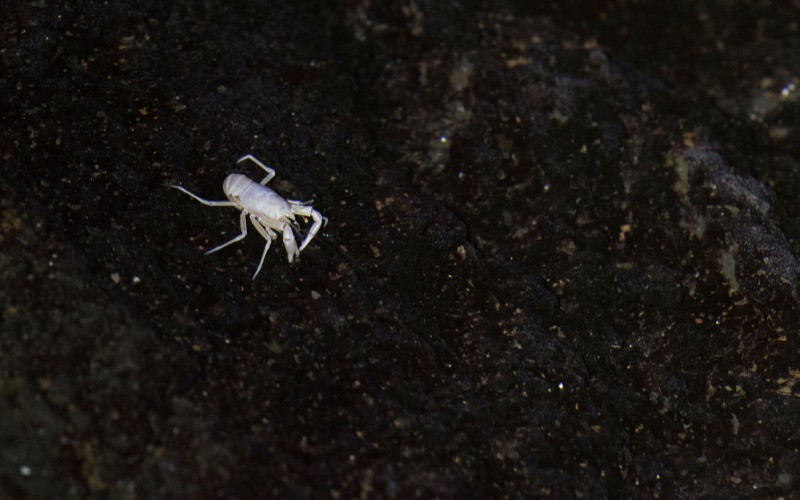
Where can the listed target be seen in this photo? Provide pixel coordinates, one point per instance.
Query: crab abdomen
(255, 198)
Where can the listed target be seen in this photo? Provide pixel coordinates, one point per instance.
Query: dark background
(561, 258)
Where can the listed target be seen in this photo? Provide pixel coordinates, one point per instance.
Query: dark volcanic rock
(547, 272)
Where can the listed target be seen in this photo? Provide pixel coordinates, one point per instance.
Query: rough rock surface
(561, 259)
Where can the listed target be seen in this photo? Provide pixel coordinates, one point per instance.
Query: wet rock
(546, 271)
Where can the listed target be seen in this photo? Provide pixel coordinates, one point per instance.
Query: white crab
(268, 211)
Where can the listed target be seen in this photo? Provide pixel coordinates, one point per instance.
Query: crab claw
(290, 243)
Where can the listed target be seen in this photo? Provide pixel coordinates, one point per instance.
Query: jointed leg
(243, 224)
(263, 232)
(318, 221)
(204, 201)
(270, 172)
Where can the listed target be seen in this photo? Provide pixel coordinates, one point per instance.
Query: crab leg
(203, 200)
(318, 221)
(270, 172)
(262, 232)
(243, 224)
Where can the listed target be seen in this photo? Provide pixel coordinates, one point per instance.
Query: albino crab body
(269, 212)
